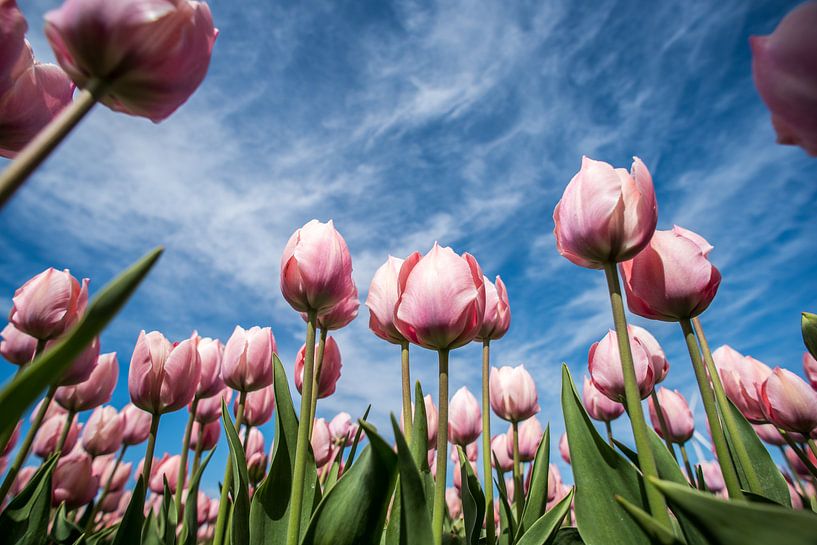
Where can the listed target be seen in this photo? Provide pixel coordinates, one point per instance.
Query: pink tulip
(321, 442)
(713, 478)
(658, 360)
(103, 469)
(95, 390)
(742, 377)
(48, 304)
(340, 315)
(247, 362)
(599, 406)
(213, 513)
(343, 429)
(672, 279)
(47, 437)
(256, 458)
(456, 474)
(151, 54)
(796, 501)
(497, 317)
(769, 434)
(82, 366)
(166, 468)
(464, 418)
(316, 268)
(604, 364)
(211, 352)
(53, 410)
(554, 482)
(513, 393)
(103, 432)
(564, 448)
(500, 447)
(453, 502)
(471, 451)
(441, 301)
(136, 427)
(209, 410)
(12, 37)
(432, 420)
(73, 481)
(12, 441)
(110, 502)
(810, 368)
(254, 443)
(510, 488)
(23, 477)
(17, 347)
(207, 433)
(330, 368)
(677, 416)
(796, 463)
(530, 435)
(258, 406)
(785, 73)
(606, 215)
(382, 298)
(163, 378)
(788, 402)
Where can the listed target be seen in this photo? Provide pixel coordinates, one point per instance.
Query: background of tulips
(485, 112)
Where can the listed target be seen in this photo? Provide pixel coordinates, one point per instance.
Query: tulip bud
(103, 470)
(677, 416)
(554, 482)
(210, 352)
(82, 366)
(103, 432)
(453, 502)
(111, 501)
(497, 317)
(254, 452)
(340, 315)
(658, 360)
(321, 442)
(208, 433)
(73, 481)
(23, 477)
(47, 437)
(441, 301)
(599, 406)
(513, 393)
(530, 435)
(12, 36)
(808, 325)
(343, 429)
(17, 347)
(604, 364)
(382, 298)
(53, 410)
(564, 448)
(95, 390)
(212, 515)
(464, 418)
(247, 362)
(136, 424)
(330, 368)
(788, 402)
(457, 473)
(713, 478)
(606, 215)
(166, 468)
(500, 447)
(48, 304)
(258, 406)
(742, 377)
(209, 410)
(769, 434)
(163, 378)
(796, 463)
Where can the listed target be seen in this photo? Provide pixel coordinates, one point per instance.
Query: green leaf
(543, 531)
(473, 500)
(351, 457)
(240, 511)
(507, 522)
(24, 521)
(190, 527)
(27, 385)
(659, 533)
(354, 511)
(419, 430)
(537, 499)
(129, 531)
(415, 524)
(600, 473)
(725, 522)
(568, 536)
(63, 531)
(809, 327)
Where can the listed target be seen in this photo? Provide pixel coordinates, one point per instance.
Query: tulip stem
(609, 428)
(224, 504)
(66, 428)
(47, 139)
(98, 505)
(25, 446)
(662, 424)
(197, 454)
(302, 445)
(794, 475)
(800, 453)
(518, 493)
(687, 465)
(146, 466)
(316, 381)
(729, 421)
(442, 450)
(406, 386)
(490, 531)
(632, 399)
(730, 475)
(185, 447)
(246, 437)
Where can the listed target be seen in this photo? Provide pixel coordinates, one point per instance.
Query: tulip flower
(658, 360)
(23, 477)
(769, 434)
(795, 463)
(513, 393)
(456, 473)
(464, 418)
(604, 364)
(564, 448)
(73, 481)
(205, 436)
(163, 378)
(12, 440)
(810, 369)
(713, 478)
(343, 429)
(599, 406)
(110, 502)
(48, 436)
(166, 468)
(258, 406)
(497, 318)
(106, 469)
(329, 369)
(554, 482)
(136, 424)
(471, 451)
(256, 458)
(95, 390)
(340, 315)
(247, 362)
(82, 366)
(788, 402)
(48, 304)
(209, 410)
(53, 409)
(103, 432)
(12, 37)
(432, 416)
(211, 352)
(453, 502)
(17, 347)
(321, 442)
(530, 435)
(742, 376)
(677, 416)
(500, 448)
(382, 298)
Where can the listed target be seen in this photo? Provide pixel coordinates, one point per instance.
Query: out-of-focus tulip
(671, 279)
(53, 409)
(513, 393)
(330, 368)
(45, 442)
(256, 458)
(500, 447)
(247, 362)
(497, 317)
(441, 301)
(163, 378)
(213, 513)
(340, 315)
(17, 347)
(530, 435)
(136, 427)
(769, 434)
(103, 469)
(207, 433)
(12, 37)
(321, 442)
(82, 366)
(73, 481)
(23, 477)
(453, 502)
(554, 482)
(471, 451)
(166, 468)
(464, 418)
(258, 406)
(599, 406)
(456, 473)
(343, 429)
(316, 268)
(788, 402)
(785, 73)
(796, 463)
(211, 352)
(658, 360)
(604, 364)
(12, 442)
(95, 390)
(209, 409)
(111, 501)
(796, 501)
(677, 416)
(103, 431)
(713, 478)
(606, 214)
(382, 298)
(48, 304)
(742, 377)
(107, 41)
(564, 448)
(810, 368)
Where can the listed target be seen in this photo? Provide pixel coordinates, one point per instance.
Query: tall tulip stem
(316, 380)
(632, 399)
(185, 446)
(105, 489)
(48, 139)
(687, 465)
(518, 493)
(795, 477)
(730, 475)
(800, 454)
(662, 423)
(442, 450)
(609, 427)
(405, 373)
(490, 531)
(221, 521)
(66, 428)
(154, 428)
(296, 498)
(197, 457)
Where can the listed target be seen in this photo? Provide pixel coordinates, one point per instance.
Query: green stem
(107, 488)
(794, 475)
(490, 531)
(800, 453)
(730, 475)
(197, 456)
(609, 428)
(662, 423)
(296, 499)
(185, 447)
(687, 465)
(223, 506)
(66, 428)
(442, 450)
(246, 437)
(154, 428)
(518, 493)
(316, 381)
(48, 139)
(632, 400)
(406, 384)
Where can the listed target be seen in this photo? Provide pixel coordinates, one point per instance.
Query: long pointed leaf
(240, 511)
(419, 430)
(538, 495)
(659, 533)
(415, 524)
(473, 500)
(543, 531)
(190, 528)
(130, 527)
(24, 521)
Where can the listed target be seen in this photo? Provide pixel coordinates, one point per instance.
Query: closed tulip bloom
(513, 393)
(606, 214)
(111, 501)
(254, 443)
(658, 360)
(471, 451)
(47, 437)
(788, 402)
(382, 298)
(207, 433)
(12, 441)
(564, 448)
(500, 447)
(17, 347)
(330, 368)
(152, 54)
(599, 406)
(136, 424)
(163, 378)
(82, 366)
(48, 304)
(554, 482)
(530, 435)
(785, 73)
(166, 468)
(209, 410)
(23, 477)
(464, 418)
(247, 362)
(340, 315)
(53, 409)
(343, 429)
(671, 279)
(213, 514)
(321, 442)
(316, 268)
(678, 417)
(95, 390)
(810, 368)
(210, 353)
(713, 478)
(742, 377)
(103, 432)
(497, 317)
(453, 502)
(258, 406)
(604, 364)
(769, 434)
(441, 300)
(796, 463)
(73, 481)
(103, 467)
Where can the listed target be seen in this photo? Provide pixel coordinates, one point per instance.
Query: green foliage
(24, 521)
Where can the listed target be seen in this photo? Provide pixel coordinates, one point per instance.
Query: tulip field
(437, 473)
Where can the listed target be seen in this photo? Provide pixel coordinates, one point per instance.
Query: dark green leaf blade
(538, 495)
(24, 521)
(130, 527)
(659, 533)
(240, 510)
(190, 527)
(543, 531)
(419, 430)
(473, 500)
(415, 524)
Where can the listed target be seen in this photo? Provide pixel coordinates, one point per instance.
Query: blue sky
(411, 122)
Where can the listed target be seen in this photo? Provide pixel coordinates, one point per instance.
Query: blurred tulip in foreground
(73, 481)
(95, 390)
(136, 425)
(103, 432)
(17, 347)
(48, 304)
